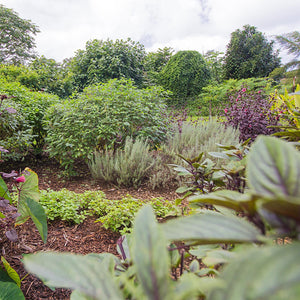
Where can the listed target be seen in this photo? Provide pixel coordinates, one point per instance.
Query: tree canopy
(104, 60)
(16, 37)
(249, 54)
(291, 42)
(185, 74)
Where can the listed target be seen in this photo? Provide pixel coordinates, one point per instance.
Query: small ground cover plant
(116, 215)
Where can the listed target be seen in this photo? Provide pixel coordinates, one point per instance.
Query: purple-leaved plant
(251, 113)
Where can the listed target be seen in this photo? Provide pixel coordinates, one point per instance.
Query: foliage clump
(185, 74)
(125, 167)
(251, 113)
(105, 60)
(249, 54)
(102, 117)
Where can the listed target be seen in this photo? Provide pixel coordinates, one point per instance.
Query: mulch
(84, 238)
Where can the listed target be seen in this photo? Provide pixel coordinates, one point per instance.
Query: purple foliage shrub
(251, 113)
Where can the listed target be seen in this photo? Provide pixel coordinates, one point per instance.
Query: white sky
(202, 25)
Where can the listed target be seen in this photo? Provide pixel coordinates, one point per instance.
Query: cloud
(66, 25)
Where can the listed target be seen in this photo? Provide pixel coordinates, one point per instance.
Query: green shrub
(185, 74)
(31, 106)
(127, 167)
(198, 137)
(15, 134)
(193, 139)
(102, 117)
(20, 74)
(214, 98)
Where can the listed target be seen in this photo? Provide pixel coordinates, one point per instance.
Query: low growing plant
(124, 167)
(116, 215)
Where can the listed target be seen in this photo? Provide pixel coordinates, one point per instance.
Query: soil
(84, 238)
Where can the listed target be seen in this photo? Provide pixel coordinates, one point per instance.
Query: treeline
(249, 54)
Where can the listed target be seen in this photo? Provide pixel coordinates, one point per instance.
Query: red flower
(244, 90)
(20, 179)
(226, 110)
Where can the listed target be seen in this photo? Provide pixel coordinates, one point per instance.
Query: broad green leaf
(174, 255)
(288, 207)
(11, 272)
(230, 199)
(87, 274)
(150, 255)
(30, 188)
(194, 266)
(2, 216)
(190, 286)
(78, 296)
(269, 273)
(4, 193)
(200, 251)
(37, 213)
(218, 256)
(4, 276)
(123, 247)
(273, 168)
(183, 189)
(9, 291)
(211, 228)
(218, 155)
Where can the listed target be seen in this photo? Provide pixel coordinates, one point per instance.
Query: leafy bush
(189, 141)
(202, 136)
(127, 167)
(251, 113)
(213, 98)
(31, 106)
(185, 74)
(102, 117)
(105, 60)
(266, 270)
(21, 74)
(15, 135)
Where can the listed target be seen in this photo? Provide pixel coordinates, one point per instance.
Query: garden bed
(81, 238)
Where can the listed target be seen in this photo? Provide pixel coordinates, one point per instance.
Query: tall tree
(214, 61)
(16, 37)
(291, 42)
(154, 63)
(104, 60)
(249, 54)
(54, 77)
(185, 74)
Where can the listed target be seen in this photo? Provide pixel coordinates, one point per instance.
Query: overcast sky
(202, 25)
